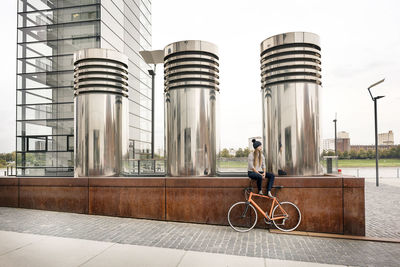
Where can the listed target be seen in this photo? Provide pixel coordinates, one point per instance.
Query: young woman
(256, 168)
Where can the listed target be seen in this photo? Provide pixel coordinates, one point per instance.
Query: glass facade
(48, 34)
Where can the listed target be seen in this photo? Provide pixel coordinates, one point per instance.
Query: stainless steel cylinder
(191, 94)
(291, 84)
(101, 112)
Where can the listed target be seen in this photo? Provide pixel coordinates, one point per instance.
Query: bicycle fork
(245, 210)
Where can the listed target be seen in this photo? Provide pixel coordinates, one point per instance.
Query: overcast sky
(360, 43)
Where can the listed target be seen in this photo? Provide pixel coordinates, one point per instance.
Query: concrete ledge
(352, 237)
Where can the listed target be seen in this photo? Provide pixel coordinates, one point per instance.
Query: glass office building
(49, 31)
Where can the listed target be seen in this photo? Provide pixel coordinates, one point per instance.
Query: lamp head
(381, 81)
(153, 57)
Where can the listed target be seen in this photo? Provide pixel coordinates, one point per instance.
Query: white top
(258, 167)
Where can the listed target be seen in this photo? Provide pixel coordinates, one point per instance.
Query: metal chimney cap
(100, 53)
(191, 45)
(290, 38)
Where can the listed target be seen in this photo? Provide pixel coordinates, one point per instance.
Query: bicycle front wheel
(242, 216)
(291, 214)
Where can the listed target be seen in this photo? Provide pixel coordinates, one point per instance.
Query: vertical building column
(291, 84)
(101, 112)
(191, 94)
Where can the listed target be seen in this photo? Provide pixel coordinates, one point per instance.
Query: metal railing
(11, 171)
(369, 172)
(146, 167)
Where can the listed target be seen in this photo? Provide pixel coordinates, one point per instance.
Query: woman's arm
(263, 166)
(250, 163)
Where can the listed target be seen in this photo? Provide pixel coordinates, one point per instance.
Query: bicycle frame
(274, 202)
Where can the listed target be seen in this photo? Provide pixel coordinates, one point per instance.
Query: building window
(83, 16)
(70, 143)
(37, 143)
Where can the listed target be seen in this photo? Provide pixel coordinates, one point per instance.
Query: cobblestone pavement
(382, 208)
(197, 237)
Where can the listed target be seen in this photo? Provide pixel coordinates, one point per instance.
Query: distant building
(343, 134)
(328, 144)
(342, 144)
(232, 152)
(258, 138)
(386, 138)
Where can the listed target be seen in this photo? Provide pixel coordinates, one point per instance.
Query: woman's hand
(263, 175)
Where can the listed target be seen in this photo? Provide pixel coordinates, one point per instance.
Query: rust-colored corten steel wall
(128, 197)
(9, 192)
(56, 194)
(328, 204)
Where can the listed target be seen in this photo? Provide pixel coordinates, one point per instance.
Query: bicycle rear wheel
(242, 216)
(292, 217)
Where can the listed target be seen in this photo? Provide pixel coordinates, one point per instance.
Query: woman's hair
(257, 154)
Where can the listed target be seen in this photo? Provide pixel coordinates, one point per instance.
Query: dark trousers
(258, 177)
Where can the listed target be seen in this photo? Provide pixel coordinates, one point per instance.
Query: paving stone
(382, 208)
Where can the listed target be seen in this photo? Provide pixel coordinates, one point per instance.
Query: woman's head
(256, 144)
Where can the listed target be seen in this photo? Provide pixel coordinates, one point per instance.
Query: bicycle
(242, 216)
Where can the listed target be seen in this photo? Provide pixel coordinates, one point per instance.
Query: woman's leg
(258, 177)
(271, 179)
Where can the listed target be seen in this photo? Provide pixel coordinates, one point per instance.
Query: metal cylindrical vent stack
(101, 112)
(291, 83)
(191, 91)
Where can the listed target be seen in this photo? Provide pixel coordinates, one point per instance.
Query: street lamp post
(153, 75)
(152, 57)
(335, 120)
(376, 127)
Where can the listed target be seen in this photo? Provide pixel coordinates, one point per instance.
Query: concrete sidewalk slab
(52, 251)
(200, 259)
(11, 241)
(45, 251)
(283, 263)
(132, 255)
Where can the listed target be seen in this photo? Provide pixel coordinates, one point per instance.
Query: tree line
(5, 158)
(390, 153)
(240, 153)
